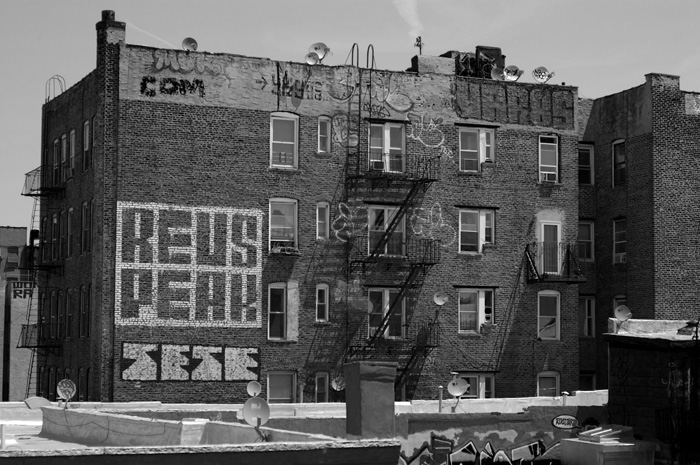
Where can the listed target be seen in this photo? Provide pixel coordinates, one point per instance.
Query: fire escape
(390, 258)
(38, 264)
(553, 262)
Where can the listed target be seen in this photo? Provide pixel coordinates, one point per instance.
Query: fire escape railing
(364, 164)
(39, 184)
(553, 262)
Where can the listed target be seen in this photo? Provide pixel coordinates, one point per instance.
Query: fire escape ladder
(427, 338)
(532, 274)
(395, 220)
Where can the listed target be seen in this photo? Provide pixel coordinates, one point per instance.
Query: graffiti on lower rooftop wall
(427, 131)
(185, 62)
(188, 266)
(185, 362)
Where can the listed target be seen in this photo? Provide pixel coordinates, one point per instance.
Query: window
(476, 228)
(475, 148)
(475, 309)
(321, 387)
(283, 224)
(56, 163)
(618, 300)
(548, 315)
(548, 384)
(322, 302)
(586, 315)
(12, 259)
(380, 220)
(53, 322)
(55, 231)
(85, 220)
(619, 163)
(69, 233)
(69, 314)
(549, 159)
(86, 145)
(481, 385)
(585, 164)
(84, 317)
(62, 234)
(71, 151)
(324, 134)
(64, 154)
(283, 140)
(620, 241)
(550, 252)
(281, 387)
(386, 147)
(45, 255)
(277, 311)
(61, 325)
(585, 240)
(52, 384)
(381, 302)
(322, 220)
(81, 384)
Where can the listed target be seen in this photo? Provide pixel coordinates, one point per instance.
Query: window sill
(550, 184)
(469, 335)
(470, 254)
(281, 341)
(322, 323)
(325, 155)
(288, 169)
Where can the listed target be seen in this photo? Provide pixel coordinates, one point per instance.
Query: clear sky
(600, 46)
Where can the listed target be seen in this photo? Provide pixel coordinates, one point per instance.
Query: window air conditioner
(377, 165)
(548, 177)
(621, 257)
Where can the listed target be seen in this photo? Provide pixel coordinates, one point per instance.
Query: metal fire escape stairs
(568, 270)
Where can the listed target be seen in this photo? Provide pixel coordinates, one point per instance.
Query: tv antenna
(419, 43)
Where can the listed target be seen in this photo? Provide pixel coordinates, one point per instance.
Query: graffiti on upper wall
(345, 131)
(692, 104)
(185, 62)
(177, 362)
(171, 86)
(430, 224)
(22, 289)
(427, 131)
(349, 221)
(188, 266)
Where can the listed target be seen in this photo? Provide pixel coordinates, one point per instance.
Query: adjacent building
(211, 219)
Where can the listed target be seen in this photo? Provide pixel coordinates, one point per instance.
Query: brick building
(212, 219)
(639, 216)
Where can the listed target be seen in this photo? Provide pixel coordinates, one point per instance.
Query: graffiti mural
(188, 266)
(185, 62)
(427, 131)
(22, 289)
(430, 224)
(177, 362)
(171, 86)
(345, 131)
(349, 221)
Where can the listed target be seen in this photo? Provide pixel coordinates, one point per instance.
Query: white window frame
(277, 242)
(543, 320)
(478, 383)
(591, 230)
(277, 375)
(586, 308)
(321, 380)
(620, 299)
(589, 150)
(548, 375)
(64, 155)
(548, 172)
(71, 150)
(550, 258)
(86, 145)
(324, 134)
(386, 299)
(322, 302)
(484, 229)
(619, 256)
(390, 247)
(322, 220)
(483, 311)
(277, 160)
(283, 312)
(619, 169)
(388, 155)
(483, 152)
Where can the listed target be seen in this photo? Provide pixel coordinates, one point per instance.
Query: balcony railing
(34, 336)
(554, 262)
(406, 166)
(413, 250)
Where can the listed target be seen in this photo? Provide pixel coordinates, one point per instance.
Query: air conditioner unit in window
(548, 177)
(377, 165)
(621, 257)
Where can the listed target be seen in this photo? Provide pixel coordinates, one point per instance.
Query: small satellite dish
(189, 44)
(512, 73)
(256, 411)
(458, 386)
(541, 74)
(623, 313)
(338, 383)
(254, 388)
(312, 58)
(65, 389)
(320, 49)
(440, 298)
(497, 74)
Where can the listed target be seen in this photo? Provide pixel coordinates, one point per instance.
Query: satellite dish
(497, 74)
(254, 388)
(65, 389)
(440, 298)
(541, 74)
(458, 386)
(189, 44)
(320, 49)
(338, 383)
(623, 313)
(512, 73)
(312, 58)
(256, 411)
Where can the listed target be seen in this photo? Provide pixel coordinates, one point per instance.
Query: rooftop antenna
(419, 43)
